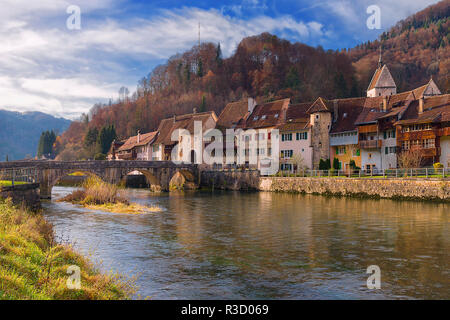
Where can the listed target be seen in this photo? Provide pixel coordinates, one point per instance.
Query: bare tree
(410, 159)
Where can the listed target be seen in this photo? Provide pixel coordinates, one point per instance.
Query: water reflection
(264, 245)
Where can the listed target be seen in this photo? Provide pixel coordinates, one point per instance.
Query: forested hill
(20, 132)
(268, 68)
(415, 49)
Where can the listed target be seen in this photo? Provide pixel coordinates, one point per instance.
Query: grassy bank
(33, 266)
(99, 195)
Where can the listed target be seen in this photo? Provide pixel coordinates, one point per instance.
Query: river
(234, 245)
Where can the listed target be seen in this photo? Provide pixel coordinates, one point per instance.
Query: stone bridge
(159, 174)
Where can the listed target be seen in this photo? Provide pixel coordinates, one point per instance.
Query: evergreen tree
(219, 55)
(105, 137)
(336, 164)
(203, 105)
(91, 137)
(200, 68)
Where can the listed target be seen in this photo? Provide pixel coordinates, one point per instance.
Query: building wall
(376, 92)
(301, 148)
(157, 154)
(445, 151)
(344, 158)
(320, 141)
(372, 157)
(389, 160)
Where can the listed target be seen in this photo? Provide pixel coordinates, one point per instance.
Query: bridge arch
(182, 180)
(52, 178)
(150, 177)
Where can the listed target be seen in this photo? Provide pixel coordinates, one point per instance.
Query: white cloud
(52, 69)
(44, 66)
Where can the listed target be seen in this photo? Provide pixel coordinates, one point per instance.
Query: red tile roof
(435, 109)
(348, 110)
(267, 115)
(169, 125)
(232, 114)
(132, 142)
(320, 105)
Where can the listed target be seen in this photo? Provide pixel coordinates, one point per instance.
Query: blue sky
(46, 67)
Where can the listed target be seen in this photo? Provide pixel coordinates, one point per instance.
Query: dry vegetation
(99, 195)
(33, 266)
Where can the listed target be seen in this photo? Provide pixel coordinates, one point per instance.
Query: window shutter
(385, 135)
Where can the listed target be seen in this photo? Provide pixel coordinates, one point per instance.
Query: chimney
(335, 111)
(251, 104)
(384, 104)
(194, 111)
(174, 118)
(139, 136)
(421, 100)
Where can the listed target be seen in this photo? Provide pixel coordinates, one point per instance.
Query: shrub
(438, 165)
(336, 164)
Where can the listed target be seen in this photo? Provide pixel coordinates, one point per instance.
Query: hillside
(415, 49)
(20, 132)
(268, 68)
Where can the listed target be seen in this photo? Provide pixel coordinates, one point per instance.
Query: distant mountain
(20, 132)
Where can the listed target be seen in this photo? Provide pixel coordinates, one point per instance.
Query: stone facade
(320, 142)
(374, 188)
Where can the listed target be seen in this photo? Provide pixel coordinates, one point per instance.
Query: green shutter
(386, 150)
(385, 135)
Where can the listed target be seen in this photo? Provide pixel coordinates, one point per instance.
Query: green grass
(33, 266)
(7, 183)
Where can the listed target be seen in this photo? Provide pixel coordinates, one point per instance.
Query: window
(263, 117)
(255, 118)
(428, 143)
(156, 148)
(276, 115)
(286, 137)
(287, 154)
(356, 152)
(389, 134)
(286, 167)
(340, 150)
(302, 135)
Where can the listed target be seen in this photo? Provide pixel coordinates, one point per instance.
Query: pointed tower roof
(382, 79)
(320, 105)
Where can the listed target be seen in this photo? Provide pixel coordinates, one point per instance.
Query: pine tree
(200, 68)
(203, 105)
(219, 55)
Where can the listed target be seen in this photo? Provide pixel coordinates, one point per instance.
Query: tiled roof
(382, 79)
(169, 125)
(232, 114)
(296, 117)
(267, 115)
(348, 112)
(132, 142)
(435, 109)
(320, 105)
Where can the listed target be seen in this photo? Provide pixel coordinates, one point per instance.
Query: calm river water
(230, 245)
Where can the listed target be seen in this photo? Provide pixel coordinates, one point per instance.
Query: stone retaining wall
(27, 194)
(230, 180)
(411, 189)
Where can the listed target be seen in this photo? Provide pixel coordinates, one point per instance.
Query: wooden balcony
(444, 131)
(370, 144)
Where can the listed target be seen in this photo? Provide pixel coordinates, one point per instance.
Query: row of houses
(366, 132)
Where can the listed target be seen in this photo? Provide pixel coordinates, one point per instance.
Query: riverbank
(376, 188)
(33, 266)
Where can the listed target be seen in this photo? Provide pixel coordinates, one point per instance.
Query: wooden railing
(370, 144)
